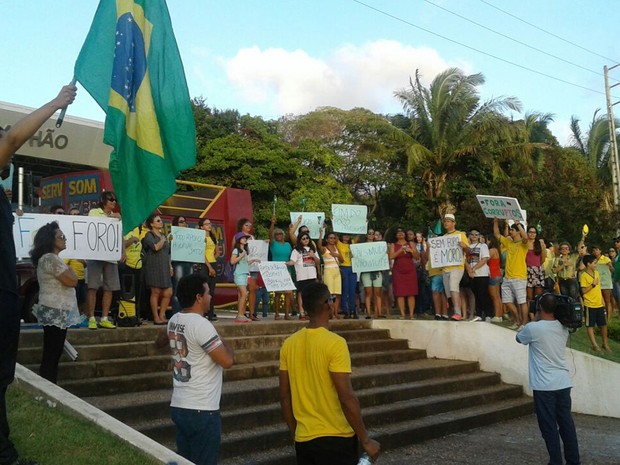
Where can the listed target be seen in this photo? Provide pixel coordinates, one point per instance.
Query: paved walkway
(516, 442)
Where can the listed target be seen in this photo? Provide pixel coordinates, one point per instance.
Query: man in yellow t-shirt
(514, 285)
(590, 282)
(318, 403)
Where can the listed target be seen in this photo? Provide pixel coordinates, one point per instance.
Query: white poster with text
(276, 276)
(349, 219)
(369, 256)
(187, 245)
(445, 251)
(313, 220)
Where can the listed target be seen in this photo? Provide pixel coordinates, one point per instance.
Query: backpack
(229, 272)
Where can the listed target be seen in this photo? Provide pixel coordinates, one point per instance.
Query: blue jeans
(198, 434)
(349, 284)
(555, 421)
(262, 301)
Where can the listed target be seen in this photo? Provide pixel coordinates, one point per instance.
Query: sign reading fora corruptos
(313, 220)
(187, 245)
(506, 208)
(88, 237)
(276, 276)
(349, 219)
(369, 256)
(445, 251)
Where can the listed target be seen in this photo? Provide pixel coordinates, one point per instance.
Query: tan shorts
(104, 274)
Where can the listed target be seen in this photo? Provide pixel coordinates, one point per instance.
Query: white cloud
(351, 76)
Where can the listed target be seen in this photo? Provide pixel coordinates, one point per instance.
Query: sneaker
(497, 319)
(445, 317)
(520, 328)
(513, 326)
(242, 319)
(92, 324)
(476, 318)
(107, 324)
(438, 317)
(456, 317)
(487, 319)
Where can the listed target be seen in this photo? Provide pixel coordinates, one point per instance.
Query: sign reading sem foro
(88, 237)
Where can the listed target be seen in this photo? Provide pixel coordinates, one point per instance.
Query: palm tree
(448, 122)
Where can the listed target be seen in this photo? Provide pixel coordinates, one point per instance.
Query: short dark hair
(188, 287)
(313, 297)
(547, 303)
(151, 219)
(105, 196)
(53, 208)
(587, 259)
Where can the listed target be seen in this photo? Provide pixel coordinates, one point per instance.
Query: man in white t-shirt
(550, 380)
(199, 356)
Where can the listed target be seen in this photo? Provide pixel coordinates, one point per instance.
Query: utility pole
(615, 169)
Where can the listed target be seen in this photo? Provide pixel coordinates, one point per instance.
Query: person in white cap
(453, 274)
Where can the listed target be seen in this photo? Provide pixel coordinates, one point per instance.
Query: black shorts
(595, 317)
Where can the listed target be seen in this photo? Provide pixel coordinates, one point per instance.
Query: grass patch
(51, 436)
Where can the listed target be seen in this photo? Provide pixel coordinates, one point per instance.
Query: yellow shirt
(309, 356)
(515, 258)
(133, 252)
(594, 297)
(463, 238)
(77, 266)
(210, 250)
(345, 253)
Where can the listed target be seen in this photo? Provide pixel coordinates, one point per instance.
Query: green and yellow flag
(130, 64)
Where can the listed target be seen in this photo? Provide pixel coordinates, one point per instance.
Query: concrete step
(271, 451)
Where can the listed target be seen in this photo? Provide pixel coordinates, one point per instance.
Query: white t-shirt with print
(196, 378)
(305, 267)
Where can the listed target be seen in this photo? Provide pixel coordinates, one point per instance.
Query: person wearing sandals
(372, 282)
(157, 268)
(280, 252)
(57, 308)
(306, 262)
(239, 259)
(331, 267)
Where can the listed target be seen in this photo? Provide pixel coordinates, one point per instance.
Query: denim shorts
(437, 283)
(496, 281)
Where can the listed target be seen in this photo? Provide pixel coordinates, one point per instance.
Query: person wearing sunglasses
(102, 273)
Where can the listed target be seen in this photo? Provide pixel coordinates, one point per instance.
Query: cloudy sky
(275, 57)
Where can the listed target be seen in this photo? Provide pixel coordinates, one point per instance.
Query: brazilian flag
(130, 64)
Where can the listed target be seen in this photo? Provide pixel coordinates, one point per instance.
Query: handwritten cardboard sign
(445, 251)
(88, 237)
(369, 256)
(349, 219)
(506, 208)
(259, 250)
(187, 245)
(313, 220)
(276, 276)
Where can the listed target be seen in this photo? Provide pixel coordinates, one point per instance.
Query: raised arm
(15, 137)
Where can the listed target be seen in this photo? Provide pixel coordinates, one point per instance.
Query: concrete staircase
(405, 397)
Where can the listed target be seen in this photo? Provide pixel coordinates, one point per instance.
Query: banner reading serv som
(88, 237)
(369, 256)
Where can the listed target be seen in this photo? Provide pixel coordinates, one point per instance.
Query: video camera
(568, 312)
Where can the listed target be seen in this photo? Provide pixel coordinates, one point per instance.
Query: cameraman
(550, 381)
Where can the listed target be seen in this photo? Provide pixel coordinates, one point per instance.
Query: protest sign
(369, 256)
(258, 250)
(88, 237)
(313, 220)
(187, 245)
(276, 276)
(349, 219)
(506, 208)
(445, 251)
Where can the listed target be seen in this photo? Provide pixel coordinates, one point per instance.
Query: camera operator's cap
(449, 216)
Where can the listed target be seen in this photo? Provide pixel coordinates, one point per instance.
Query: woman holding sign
(280, 252)
(57, 308)
(404, 276)
(306, 262)
(157, 268)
